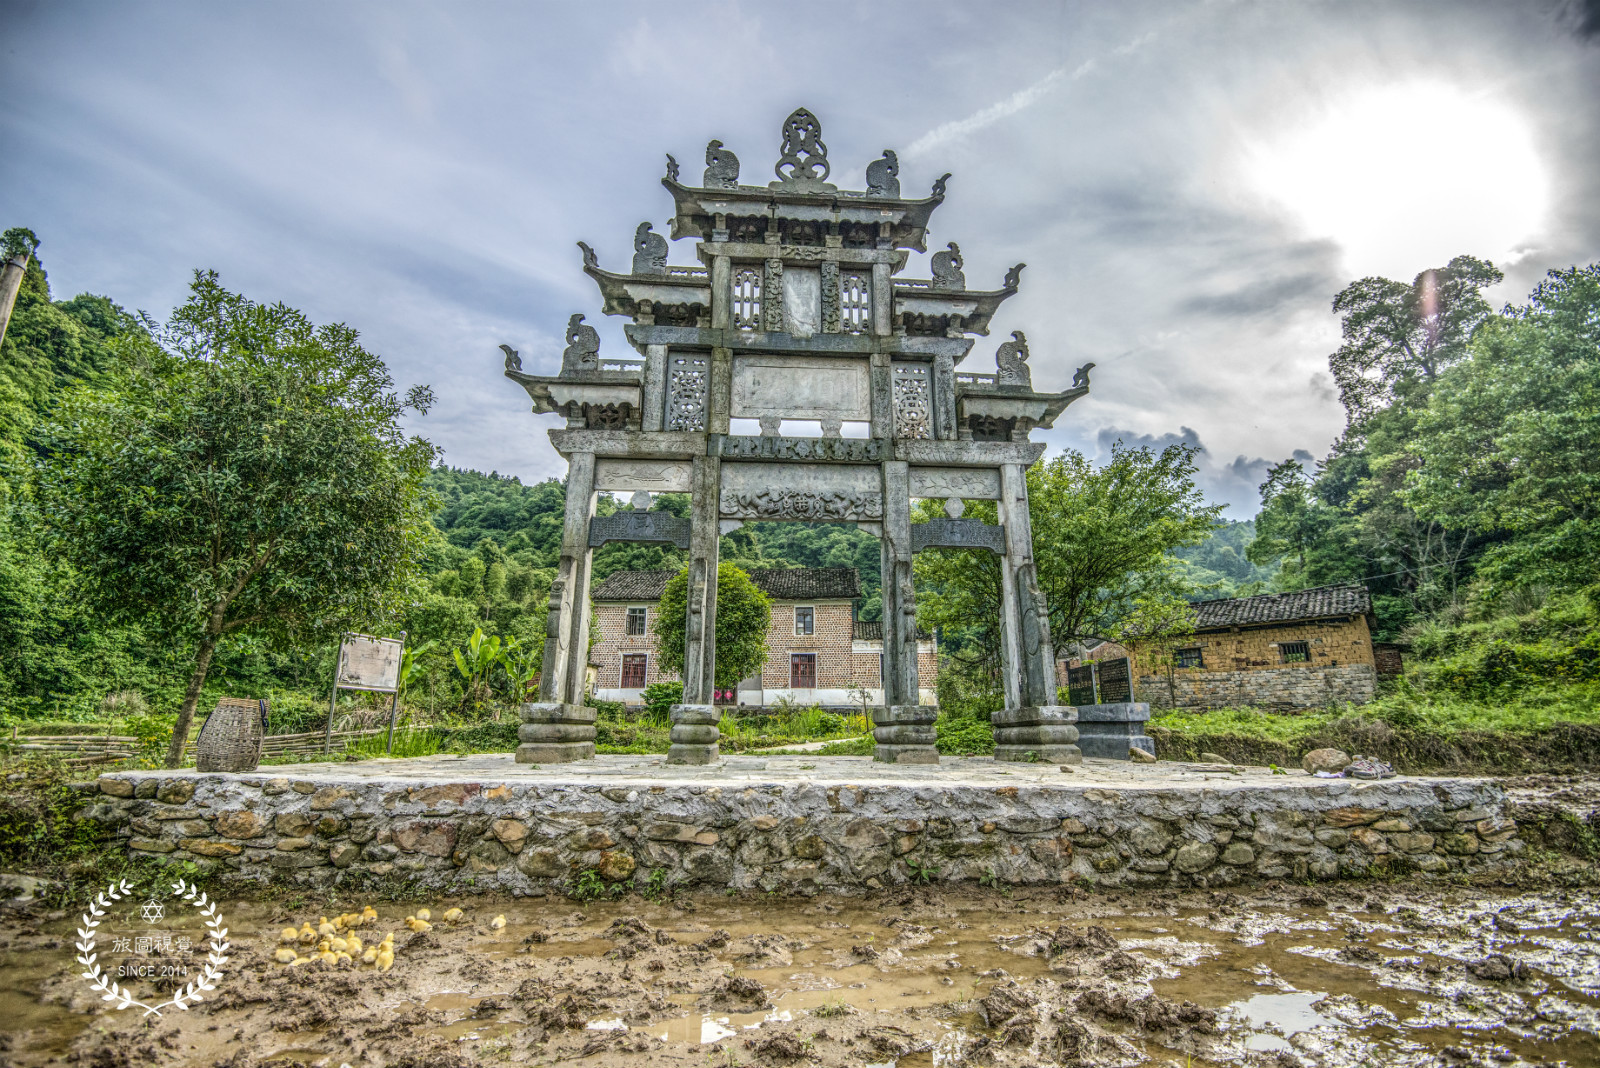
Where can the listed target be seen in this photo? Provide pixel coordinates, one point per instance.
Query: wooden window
(1190, 657)
(803, 671)
(633, 671)
(805, 620)
(636, 621)
(1293, 652)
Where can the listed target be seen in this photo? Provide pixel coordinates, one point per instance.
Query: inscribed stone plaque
(657, 476)
(1116, 680)
(368, 663)
(1080, 685)
(639, 526)
(968, 483)
(802, 300)
(801, 387)
(958, 534)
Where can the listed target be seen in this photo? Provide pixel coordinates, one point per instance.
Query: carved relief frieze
(838, 450)
(772, 296)
(913, 414)
(802, 505)
(639, 526)
(686, 393)
(830, 297)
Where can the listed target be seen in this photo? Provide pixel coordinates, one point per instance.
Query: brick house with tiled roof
(1302, 649)
(817, 652)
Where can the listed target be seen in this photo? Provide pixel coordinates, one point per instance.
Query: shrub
(659, 697)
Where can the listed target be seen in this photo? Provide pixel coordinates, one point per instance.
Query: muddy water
(1338, 976)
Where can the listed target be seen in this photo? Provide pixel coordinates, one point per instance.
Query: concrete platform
(799, 823)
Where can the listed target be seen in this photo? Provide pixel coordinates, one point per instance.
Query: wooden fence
(84, 750)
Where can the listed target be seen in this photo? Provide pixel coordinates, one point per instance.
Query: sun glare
(1405, 177)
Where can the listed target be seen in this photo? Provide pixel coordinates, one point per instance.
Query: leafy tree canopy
(240, 471)
(744, 613)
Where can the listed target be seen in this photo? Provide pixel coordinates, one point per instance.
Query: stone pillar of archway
(903, 726)
(1032, 726)
(694, 722)
(559, 727)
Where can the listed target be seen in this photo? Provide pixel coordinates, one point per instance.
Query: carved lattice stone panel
(772, 296)
(686, 393)
(606, 416)
(830, 297)
(747, 299)
(913, 416)
(855, 303)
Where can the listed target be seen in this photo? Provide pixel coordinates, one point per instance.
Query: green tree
(243, 471)
(1102, 544)
(1509, 445)
(743, 616)
(1398, 337)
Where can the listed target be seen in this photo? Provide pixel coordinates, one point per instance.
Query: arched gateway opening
(797, 316)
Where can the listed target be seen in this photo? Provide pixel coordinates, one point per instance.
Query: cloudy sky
(1189, 183)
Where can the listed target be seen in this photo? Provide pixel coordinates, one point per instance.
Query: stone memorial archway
(797, 315)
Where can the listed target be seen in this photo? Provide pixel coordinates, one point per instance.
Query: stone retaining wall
(531, 838)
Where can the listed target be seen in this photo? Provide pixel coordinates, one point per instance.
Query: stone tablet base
(905, 734)
(694, 734)
(1044, 733)
(1108, 731)
(555, 733)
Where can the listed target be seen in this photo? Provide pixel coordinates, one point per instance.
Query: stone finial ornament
(583, 347)
(649, 251)
(883, 176)
(938, 185)
(1080, 377)
(947, 269)
(589, 258)
(722, 167)
(1014, 276)
(803, 150)
(640, 501)
(954, 507)
(1011, 359)
(513, 361)
(672, 167)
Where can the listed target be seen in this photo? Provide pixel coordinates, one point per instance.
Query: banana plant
(481, 655)
(411, 666)
(522, 666)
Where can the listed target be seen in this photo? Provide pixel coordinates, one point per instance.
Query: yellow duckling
(453, 916)
(385, 960)
(353, 946)
(369, 914)
(327, 957)
(326, 929)
(497, 923)
(370, 955)
(289, 935)
(342, 956)
(339, 945)
(424, 914)
(301, 960)
(285, 956)
(418, 925)
(307, 935)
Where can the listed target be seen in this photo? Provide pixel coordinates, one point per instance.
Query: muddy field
(1347, 974)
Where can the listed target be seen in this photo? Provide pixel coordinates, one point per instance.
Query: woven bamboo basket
(231, 737)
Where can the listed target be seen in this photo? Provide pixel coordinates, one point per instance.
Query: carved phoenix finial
(1080, 377)
(883, 176)
(1011, 360)
(649, 251)
(583, 347)
(672, 167)
(938, 185)
(589, 258)
(1014, 276)
(513, 361)
(722, 167)
(947, 274)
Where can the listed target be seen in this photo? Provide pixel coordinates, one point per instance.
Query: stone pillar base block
(904, 715)
(554, 752)
(1109, 731)
(555, 732)
(905, 754)
(918, 735)
(556, 712)
(1042, 754)
(693, 754)
(693, 734)
(1041, 735)
(1034, 716)
(695, 715)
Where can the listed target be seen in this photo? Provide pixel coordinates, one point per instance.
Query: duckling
(326, 929)
(453, 916)
(424, 914)
(289, 935)
(342, 956)
(307, 935)
(370, 955)
(353, 946)
(285, 956)
(369, 914)
(384, 959)
(497, 923)
(418, 925)
(301, 960)
(327, 957)
(339, 945)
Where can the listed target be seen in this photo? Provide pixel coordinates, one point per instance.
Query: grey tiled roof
(1320, 603)
(862, 631)
(781, 584)
(808, 583)
(632, 586)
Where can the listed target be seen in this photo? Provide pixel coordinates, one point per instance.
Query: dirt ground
(1337, 974)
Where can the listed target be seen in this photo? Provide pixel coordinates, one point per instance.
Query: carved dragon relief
(801, 505)
(1011, 360)
(947, 266)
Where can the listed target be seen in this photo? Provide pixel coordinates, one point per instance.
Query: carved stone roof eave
(1009, 403)
(955, 302)
(604, 386)
(695, 210)
(622, 293)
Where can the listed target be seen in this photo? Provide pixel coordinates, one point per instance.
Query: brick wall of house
(1278, 687)
(606, 654)
(830, 641)
(1245, 666)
